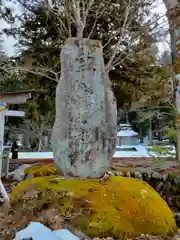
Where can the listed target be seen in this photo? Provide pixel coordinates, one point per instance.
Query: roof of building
(15, 97)
(127, 133)
(15, 93)
(126, 130)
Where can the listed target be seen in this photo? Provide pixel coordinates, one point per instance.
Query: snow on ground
(139, 151)
(142, 151)
(36, 231)
(123, 151)
(34, 155)
(129, 154)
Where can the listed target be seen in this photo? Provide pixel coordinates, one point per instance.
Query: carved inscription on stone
(84, 132)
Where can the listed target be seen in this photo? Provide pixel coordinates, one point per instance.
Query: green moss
(41, 170)
(126, 169)
(118, 207)
(159, 150)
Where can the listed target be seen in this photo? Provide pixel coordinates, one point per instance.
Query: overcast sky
(163, 25)
(9, 42)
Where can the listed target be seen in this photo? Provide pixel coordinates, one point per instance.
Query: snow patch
(37, 231)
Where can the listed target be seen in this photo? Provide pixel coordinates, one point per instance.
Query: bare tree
(75, 15)
(122, 34)
(33, 131)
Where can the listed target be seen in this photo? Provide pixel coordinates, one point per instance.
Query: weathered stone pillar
(84, 133)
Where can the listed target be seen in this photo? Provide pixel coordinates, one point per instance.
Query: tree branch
(109, 64)
(49, 7)
(98, 16)
(38, 72)
(67, 15)
(85, 11)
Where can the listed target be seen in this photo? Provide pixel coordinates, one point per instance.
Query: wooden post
(2, 189)
(1, 137)
(7, 168)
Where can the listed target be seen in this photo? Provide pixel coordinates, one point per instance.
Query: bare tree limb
(77, 17)
(118, 31)
(97, 17)
(109, 64)
(85, 12)
(119, 60)
(68, 18)
(50, 8)
(36, 71)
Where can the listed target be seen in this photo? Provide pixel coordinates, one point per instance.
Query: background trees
(124, 26)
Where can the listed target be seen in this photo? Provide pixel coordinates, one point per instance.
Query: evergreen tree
(43, 31)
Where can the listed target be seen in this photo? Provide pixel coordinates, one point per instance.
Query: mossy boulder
(117, 207)
(41, 170)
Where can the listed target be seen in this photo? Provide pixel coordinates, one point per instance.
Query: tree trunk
(141, 134)
(40, 145)
(150, 132)
(172, 8)
(84, 133)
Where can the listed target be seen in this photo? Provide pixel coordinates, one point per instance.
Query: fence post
(7, 167)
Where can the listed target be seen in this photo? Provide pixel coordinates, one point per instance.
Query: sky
(9, 42)
(163, 25)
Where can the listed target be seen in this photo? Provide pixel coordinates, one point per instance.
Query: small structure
(7, 98)
(126, 136)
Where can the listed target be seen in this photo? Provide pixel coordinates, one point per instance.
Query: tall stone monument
(84, 133)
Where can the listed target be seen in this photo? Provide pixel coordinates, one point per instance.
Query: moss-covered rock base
(41, 170)
(117, 207)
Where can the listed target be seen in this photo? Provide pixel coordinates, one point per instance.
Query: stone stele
(84, 133)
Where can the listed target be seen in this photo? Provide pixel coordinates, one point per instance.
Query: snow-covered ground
(121, 151)
(124, 151)
(131, 151)
(36, 231)
(143, 151)
(35, 155)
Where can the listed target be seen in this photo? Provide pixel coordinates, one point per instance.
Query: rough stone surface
(19, 172)
(145, 164)
(84, 133)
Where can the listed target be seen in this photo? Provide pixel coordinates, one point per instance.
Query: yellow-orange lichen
(119, 206)
(41, 170)
(97, 44)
